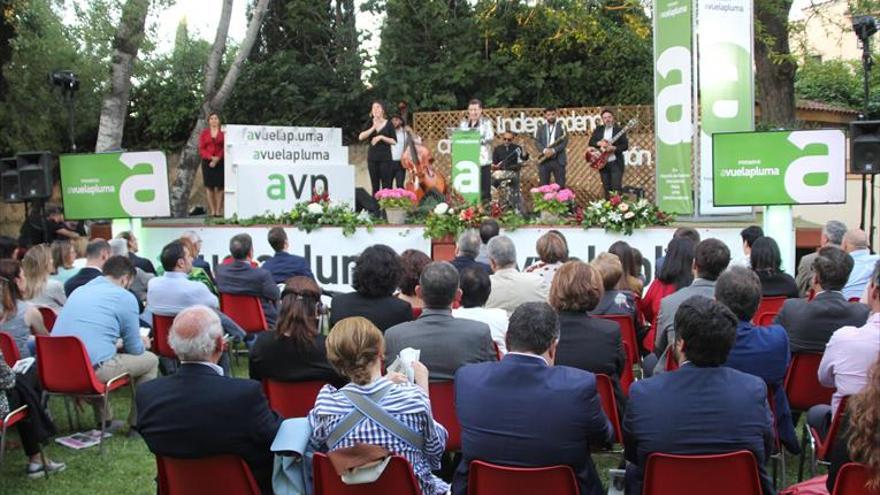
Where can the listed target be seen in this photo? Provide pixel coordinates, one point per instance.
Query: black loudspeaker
(365, 201)
(10, 188)
(35, 174)
(864, 143)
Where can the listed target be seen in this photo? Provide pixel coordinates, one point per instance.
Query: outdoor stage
(330, 253)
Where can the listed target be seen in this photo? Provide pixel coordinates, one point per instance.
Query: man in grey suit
(552, 138)
(832, 234)
(446, 343)
(711, 257)
(240, 277)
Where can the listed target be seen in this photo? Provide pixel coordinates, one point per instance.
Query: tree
(126, 44)
(774, 64)
(214, 97)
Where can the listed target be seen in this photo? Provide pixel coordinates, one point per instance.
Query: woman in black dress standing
(382, 136)
(211, 152)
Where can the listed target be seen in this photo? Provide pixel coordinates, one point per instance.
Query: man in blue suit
(239, 277)
(523, 411)
(703, 407)
(758, 351)
(198, 412)
(284, 265)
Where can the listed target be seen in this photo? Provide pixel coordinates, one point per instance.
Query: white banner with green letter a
(726, 79)
(466, 164)
(673, 111)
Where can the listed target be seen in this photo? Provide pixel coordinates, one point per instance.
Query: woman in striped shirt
(355, 348)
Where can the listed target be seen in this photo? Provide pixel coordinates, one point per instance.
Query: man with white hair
(198, 259)
(199, 412)
(467, 248)
(855, 242)
(510, 287)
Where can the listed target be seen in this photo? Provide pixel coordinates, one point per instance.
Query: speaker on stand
(10, 186)
(864, 159)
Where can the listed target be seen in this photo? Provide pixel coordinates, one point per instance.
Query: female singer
(476, 121)
(382, 136)
(211, 151)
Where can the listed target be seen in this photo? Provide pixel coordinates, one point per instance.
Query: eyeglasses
(507, 140)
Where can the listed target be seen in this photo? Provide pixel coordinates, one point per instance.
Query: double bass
(421, 176)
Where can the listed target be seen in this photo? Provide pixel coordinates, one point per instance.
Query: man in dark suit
(612, 174)
(198, 412)
(523, 411)
(552, 138)
(446, 343)
(810, 323)
(97, 252)
(466, 250)
(239, 277)
(703, 407)
(284, 265)
(133, 247)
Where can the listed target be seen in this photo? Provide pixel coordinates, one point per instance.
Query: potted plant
(552, 202)
(396, 202)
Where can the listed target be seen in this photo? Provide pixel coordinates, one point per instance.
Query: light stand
(865, 26)
(69, 84)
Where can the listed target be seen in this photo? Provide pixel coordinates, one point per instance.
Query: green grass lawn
(127, 467)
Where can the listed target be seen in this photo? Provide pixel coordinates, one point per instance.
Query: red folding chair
(397, 479)
(485, 478)
(767, 310)
(443, 406)
(671, 363)
(821, 446)
(10, 420)
(855, 299)
(49, 316)
(734, 473)
(853, 479)
(216, 474)
(627, 377)
(245, 311)
(292, 399)
(161, 330)
(627, 333)
(804, 391)
(605, 387)
(416, 312)
(9, 349)
(65, 369)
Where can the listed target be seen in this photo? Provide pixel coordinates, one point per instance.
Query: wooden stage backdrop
(581, 121)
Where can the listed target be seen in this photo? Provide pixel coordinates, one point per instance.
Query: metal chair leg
(67, 408)
(2, 442)
(803, 454)
(106, 397)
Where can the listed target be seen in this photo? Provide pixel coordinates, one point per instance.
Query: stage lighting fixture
(65, 79)
(864, 26)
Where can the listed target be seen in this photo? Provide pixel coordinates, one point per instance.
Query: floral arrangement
(552, 199)
(617, 215)
(395, 198)
(443, 220)
(309, 216)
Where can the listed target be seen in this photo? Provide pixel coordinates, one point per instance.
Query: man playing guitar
(612, 173)
(551, 139)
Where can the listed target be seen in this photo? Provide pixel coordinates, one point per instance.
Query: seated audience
(639, 261)
(375, 277)
(855, 242)
(467, 248)
(524, 411)
(8, 246)
(101, 313)
(119, 247)
(39, 288)
(17, 390)
(711, 257)
(63, 256)
(200, 412)
(412, 261)
(613, 301)
(677, 272)
(355, 348)
(552, 251)
(199, 273)
(97, 252)
(586, 342)
(858, 439)
(831, 235)
(81, 245)
(489, 228)
(284, 265)
(766, 261)
(240, 277)
(510, 288)
(446, 343)
(475, 287)
(681, 232)
(295, 350)
(810, 323)
(20, 319)
(749, 235)
(198, 261)
(630, 280)
(718, 409)
(758, 351)
(131, 243)
(849, 355)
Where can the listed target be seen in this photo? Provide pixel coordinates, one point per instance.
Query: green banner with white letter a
(466, 164)
(673, 97)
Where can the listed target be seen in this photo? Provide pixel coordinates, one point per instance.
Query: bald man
(855, 242)
(199, 412)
